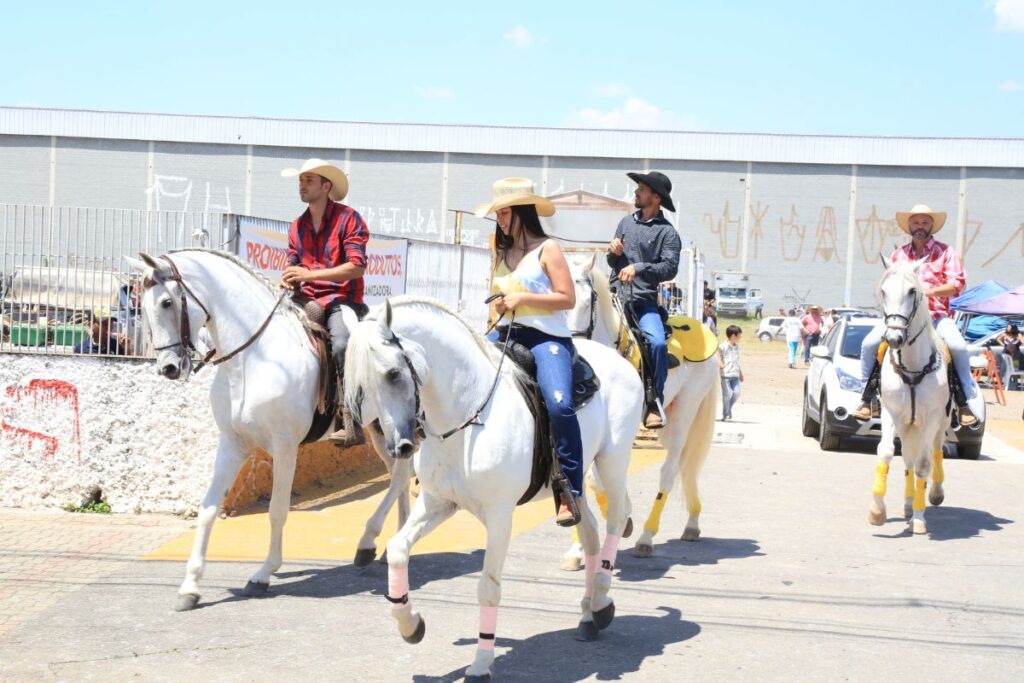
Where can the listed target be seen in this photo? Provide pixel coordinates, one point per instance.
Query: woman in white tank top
(532, 277)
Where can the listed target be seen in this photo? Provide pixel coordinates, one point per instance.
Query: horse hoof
(570, 564)
(186, 602)
(603, 617)
(935, 497)
(920, 527)
(690, 534)
(255, 589)
(587, 632)
(486, 678)
(417, 635)
(876, 518)
(628, 531)
(364, 556)
(643, 550)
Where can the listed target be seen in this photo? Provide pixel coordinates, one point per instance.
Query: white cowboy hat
(514, 192)
(903, 217)
(339, 181)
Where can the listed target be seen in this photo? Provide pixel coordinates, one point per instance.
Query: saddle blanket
(691, 341)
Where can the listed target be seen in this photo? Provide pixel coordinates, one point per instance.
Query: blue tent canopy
(977, 294)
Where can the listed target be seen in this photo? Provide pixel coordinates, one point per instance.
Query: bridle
(905, 326)
(910, 377)
(589, 332)
(185, 325)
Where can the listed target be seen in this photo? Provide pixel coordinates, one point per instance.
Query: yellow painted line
(333, 533)
(1010, 432)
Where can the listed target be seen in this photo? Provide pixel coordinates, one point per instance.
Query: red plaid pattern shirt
(341, 240)
(942, 267)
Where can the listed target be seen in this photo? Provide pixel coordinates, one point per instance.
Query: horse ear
(918, 263)
(589, 264)
(149, 260)
(136, 264)
(885, 263)
(384, 320)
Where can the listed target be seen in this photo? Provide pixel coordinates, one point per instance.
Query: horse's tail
(698, 444)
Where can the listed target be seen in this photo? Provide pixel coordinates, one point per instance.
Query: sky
(871, 67)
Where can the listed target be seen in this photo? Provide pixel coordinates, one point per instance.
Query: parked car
(833, 387)
(770, 328)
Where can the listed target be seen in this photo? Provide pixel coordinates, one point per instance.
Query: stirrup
(965, 417)
(350, 433)
(568, 512)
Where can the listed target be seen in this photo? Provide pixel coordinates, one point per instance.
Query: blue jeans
(730, 394)
(946, 329)
(809, 341)
(554, 377)
(650, 324)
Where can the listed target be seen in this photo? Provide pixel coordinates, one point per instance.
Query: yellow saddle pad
(691, 341)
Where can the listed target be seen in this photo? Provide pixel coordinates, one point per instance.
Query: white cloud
(1011, 85)
(635, 113)
(1009, 15)
(430, 92)
(610, 89)
(519, 37)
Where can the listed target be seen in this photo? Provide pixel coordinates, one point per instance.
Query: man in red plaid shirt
(942, 273)
(326, 259)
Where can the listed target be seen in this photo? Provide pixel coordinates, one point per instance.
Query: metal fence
(65, 288)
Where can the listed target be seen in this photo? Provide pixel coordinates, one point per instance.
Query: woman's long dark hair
(528, 219)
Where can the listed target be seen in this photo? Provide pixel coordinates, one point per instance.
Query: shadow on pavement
(333, 582)
(951, 523)
(558, 656)
(681, 553)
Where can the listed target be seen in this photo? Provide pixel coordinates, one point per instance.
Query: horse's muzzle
(170, 371)
(404, 449)
(896, 337)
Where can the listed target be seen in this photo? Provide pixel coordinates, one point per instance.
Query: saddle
(585, 384)
(328, 396)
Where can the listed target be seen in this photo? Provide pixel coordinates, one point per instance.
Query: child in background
(729, 366)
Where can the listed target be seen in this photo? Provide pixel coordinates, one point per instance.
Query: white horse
(691, 392)
(263, 397)
(915, 394)
(415, 355)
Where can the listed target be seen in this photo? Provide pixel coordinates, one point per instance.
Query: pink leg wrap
(608, 553)
(591, 568)
(398, 584)
(488, 622)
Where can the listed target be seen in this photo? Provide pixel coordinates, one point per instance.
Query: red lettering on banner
(44, 394)
(265, 257)
(387, 264)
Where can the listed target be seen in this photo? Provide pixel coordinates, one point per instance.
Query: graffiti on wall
(727, 229)
(22, 410)
(1016, 236)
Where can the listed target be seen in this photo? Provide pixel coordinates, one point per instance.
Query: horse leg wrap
(398, 586)
(881, 476)
(488, 622)
(908, 484)
(693, 505)
(654, 519)
(602, 504)
(938, 474)
(608, 553)
(590, 570)
(921, 485)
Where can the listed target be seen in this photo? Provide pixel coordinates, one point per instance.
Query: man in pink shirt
(811, 324)
(943, 276)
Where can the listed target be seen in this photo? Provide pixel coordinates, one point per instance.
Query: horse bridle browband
(185, 325)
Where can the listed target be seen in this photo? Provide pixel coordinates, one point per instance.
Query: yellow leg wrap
(921, 485)
(881, 473)
(938, 474)
(602, 503)
(654, 519)
(908, 483)
(693, 506)
(575, 534)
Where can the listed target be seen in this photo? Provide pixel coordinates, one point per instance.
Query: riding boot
(568, 505)
(963, 413)
(350, 432)
(869, 406)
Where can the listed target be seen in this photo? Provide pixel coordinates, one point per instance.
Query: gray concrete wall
(797, 241)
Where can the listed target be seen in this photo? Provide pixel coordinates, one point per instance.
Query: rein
(911, 377)
(589, 332)
(185, 328)
(421, 417)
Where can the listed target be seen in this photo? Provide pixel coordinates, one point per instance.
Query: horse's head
(172, 323)
(583, 316)
(383, 375)
(900, 295)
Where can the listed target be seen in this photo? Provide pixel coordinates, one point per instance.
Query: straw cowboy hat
(514, 192)
(339, 181)
(101, 313)
(903, 217)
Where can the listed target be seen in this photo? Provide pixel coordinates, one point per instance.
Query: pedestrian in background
(811, 323)
(794, 332)
(729, 367)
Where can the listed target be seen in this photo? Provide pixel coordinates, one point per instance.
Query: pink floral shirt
(942, 267)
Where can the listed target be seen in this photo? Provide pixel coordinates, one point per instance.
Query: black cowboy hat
(658, 182)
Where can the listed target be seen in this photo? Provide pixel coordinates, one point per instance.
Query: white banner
(387, 261)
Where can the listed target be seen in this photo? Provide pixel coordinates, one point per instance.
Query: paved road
(788, 583)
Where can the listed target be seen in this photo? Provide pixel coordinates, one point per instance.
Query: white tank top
(529, 276)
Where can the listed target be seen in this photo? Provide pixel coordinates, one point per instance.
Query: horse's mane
(606, 308)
